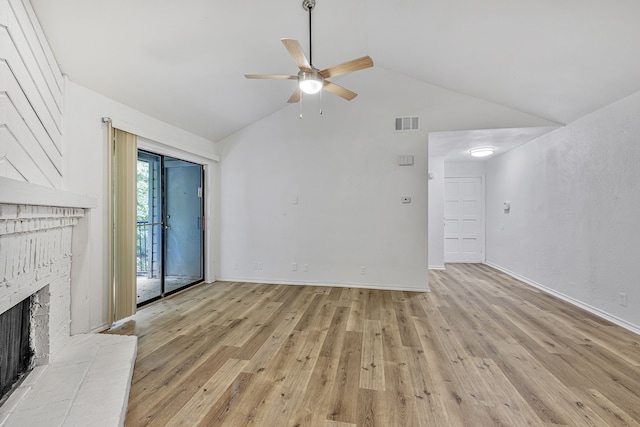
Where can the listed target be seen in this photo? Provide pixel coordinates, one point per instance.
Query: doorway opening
(170, 226)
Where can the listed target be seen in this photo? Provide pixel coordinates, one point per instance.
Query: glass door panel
(183, 224)
(169, 236)
(149, 228)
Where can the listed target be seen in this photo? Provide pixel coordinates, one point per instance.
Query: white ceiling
(183, 62)
(454, 146)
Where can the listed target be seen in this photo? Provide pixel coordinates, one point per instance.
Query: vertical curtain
(124, 187)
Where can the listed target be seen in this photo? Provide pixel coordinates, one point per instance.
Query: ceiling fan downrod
(308, 5)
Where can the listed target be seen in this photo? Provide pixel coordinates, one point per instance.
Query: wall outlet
(622, 299)
(294, 266)
(363, 270)
(306, 267)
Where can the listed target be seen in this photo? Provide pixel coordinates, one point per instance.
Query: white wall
(471, 169)
(342, 168)
(436, 213)
(575, 203)
(343, 171)
(85, 142)
(31, 100)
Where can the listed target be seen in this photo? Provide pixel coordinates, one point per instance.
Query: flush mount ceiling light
(311, 79)
(482, 151)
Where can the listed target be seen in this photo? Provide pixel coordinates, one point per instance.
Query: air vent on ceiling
(404, 124)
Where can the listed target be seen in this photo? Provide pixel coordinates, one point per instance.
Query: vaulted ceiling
(183, 61)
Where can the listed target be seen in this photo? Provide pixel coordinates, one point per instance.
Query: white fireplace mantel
(24, 193)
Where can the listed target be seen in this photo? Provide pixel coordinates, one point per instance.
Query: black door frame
(163, 227)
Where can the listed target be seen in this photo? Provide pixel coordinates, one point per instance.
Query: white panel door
(463, 220)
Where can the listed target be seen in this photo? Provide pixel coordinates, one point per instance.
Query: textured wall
(575, 206)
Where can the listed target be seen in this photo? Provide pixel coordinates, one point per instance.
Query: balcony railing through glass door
(148, 258)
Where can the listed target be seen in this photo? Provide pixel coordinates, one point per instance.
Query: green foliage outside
(143, 191)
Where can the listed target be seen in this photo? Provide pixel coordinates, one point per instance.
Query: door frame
(211, 173)
(163, 223)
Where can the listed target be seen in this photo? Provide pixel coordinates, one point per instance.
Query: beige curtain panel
(124, 213)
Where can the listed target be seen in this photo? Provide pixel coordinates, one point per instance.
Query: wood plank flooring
(481, 349)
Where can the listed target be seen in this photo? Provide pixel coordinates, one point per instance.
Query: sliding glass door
(170, 244)
(183, 223)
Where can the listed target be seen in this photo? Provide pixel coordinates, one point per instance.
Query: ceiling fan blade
(295, 97)
(339, 90)
(270, 76)
(347, 67)
(295, 50)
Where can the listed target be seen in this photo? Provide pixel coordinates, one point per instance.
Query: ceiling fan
(310, 79)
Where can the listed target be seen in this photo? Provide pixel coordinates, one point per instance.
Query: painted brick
(8, 211)
(25, 211)
(23, 281)
(35, 258)
(35, 252)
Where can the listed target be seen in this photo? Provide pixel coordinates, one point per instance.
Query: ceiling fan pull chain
(320, 102)
(301, 98)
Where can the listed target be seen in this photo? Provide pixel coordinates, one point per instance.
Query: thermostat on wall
(506, 206)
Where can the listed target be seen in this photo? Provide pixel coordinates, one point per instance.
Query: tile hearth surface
(87, 383)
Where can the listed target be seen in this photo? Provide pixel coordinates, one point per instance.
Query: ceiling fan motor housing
(308, 4)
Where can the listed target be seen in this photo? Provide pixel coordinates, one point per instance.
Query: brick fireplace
(76, 379)
(35, 252)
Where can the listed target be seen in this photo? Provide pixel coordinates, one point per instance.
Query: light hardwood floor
(480, 350)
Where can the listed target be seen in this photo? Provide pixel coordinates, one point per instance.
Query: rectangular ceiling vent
(406, 124)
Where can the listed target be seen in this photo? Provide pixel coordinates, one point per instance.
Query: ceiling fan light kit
(310, 83)
(310, 79)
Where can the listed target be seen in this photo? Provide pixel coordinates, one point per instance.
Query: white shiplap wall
(31, 99)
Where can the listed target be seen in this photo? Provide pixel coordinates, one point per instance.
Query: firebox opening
(16, 353)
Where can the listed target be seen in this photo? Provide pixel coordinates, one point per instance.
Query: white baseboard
(593, 310)
(437, 267)
(424, 288)
(99, 329)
